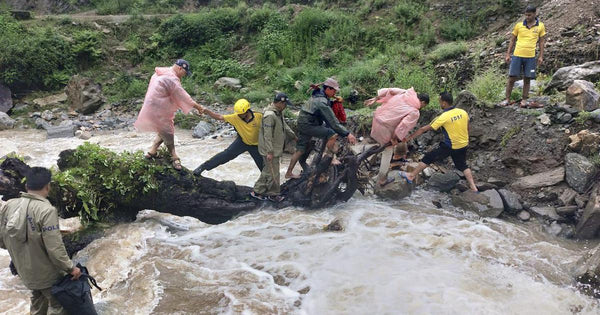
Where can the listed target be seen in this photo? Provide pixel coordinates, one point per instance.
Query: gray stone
(512, 202)
(496, 181)
(589, 224)
(546, 212)
(66, 123)
(42, 124)
(6, 102)
(582, 95)
(61, 132)
(84, 95)
(565, 118)
(6, 122)
(443, 182)
(51, 100)
(565, 76)
(396, 190)
(202, 129)
(579, 171)
(524, 216)
(486, 204)
(566, 210)
(47, 115)
(585, 142)
(587, 269)
(83, 135)
(545, 119)
(545, 179)
(567, 197)
(230, 83)
(533, 85)
(466, 99)
(554, 228)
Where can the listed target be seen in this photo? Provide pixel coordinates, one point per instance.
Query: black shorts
(306, 132)
(459, 156)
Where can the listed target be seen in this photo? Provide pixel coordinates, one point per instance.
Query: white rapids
(391, 258)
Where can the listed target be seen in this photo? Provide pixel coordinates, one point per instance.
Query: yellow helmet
(241, 106)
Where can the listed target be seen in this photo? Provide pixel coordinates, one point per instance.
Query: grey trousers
(42, 303)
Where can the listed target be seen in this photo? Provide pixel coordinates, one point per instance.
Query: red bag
(338, 109)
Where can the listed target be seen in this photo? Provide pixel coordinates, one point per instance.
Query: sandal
(150, 156)
(177, 164)
(389, 180)
(257, 196)
(278, 198)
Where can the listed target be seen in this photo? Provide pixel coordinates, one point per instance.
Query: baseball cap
(282, 97)
(185, 65)
(332, 83)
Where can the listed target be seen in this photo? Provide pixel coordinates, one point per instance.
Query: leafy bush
(582, 117)
(365, 76)
(86, 47)
(275, 41)
(186, 121)
(488, 86)
(408, 12)
(105, 7)
(447, 51)
(422, 79)
(126, 87)
(457, 29)
(210, 69)
(308, 26)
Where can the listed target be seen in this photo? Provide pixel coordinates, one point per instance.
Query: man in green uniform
(316, 119)
(271, 141)
(29, 231)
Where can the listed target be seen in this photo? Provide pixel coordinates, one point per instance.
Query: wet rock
(443, 182)
(396, 190)
(549, 178)
(466, 99)
(84, 95)
(545, 212)
(567, 196)
(42, 124)
(512, 202)
(533, 85)
(60, 132)
(51, 100)
(579, 171)
(564, 118)
(589, 224)
(334, 226)
(596, 115)
(83, 135)
(229, 83)
(545, 119)
(202, 129)
(566, 210)
(585, 142)
(47, 115)
(587, 270)
(582, 95)
(70, 225)
(486, 204)
(524, 216)
(6, 122)
(554, 228)
(565, 76)
(6, 102)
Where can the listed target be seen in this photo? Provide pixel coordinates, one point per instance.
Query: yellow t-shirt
(527, 38)
(455, 125)
(248, 131)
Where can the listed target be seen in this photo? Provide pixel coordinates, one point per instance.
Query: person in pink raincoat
(393, 120)
(164, 97)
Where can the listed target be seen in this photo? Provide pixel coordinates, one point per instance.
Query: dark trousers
(236, 148)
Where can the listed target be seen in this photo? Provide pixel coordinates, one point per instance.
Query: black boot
(198, 171)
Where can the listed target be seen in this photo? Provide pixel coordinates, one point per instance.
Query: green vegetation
(447, 51)
(186, 121)
(457, 29)
(100, 176)
(595, 159)
(509, 134)
(582, 117)
(488, 86)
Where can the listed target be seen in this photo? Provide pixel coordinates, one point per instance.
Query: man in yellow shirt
(454, 123)
(247, 124)
(527, 34)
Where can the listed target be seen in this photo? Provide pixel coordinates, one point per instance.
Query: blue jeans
(520, 66)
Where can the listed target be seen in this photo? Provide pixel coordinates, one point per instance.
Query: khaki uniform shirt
(273, 132)
(29, 231)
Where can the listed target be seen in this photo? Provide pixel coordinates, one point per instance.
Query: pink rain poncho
(398, 114)
(164, 96)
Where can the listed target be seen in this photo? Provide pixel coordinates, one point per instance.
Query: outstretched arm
(213, 114)
(419, 132)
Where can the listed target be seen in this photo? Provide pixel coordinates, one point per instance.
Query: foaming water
(391, 258)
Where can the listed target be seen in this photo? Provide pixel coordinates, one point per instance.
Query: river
(403, 257)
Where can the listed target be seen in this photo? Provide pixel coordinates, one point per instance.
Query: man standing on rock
(29, 231)
(527, 35)
(271, 141)
(311, 119)
(455, 126)
(392, 121)
(247, 124)
(164, 97)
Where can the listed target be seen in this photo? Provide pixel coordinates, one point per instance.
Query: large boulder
(6, 102)
(512, 201)
(6, 122)
(443, 182)
(486, 204)
(84, 95)
(587, 271)
(589, 224)
(466, 100)
(596, 115)
(579, 171)
(395, 190)
(539, 180)
(230, 83)
(565, 76)
(51, 100)
(202, 129)
(61, 131)
(546, 212)
(585, 142)
(583, 96)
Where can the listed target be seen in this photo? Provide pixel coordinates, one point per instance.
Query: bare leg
(509, 87)
(293, 161)
(155, 144)
(412, 175)
(526, 85)
(469, 176)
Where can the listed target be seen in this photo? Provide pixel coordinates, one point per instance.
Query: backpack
(75, 296)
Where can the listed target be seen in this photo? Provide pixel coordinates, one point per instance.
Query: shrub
(275, 42)
(446, 51)
(186, 121)
(487, 86)
(408, 12)
(422, 79)
(457, 29)
(210, 69)
(309, 24)
(582, 117)
(105, 7)
(365, 76)
(126, 87)
(86, 47)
